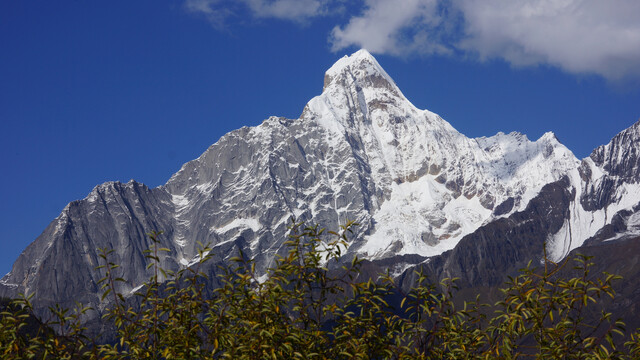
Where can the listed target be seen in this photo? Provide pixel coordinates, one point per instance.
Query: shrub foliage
(303, 310)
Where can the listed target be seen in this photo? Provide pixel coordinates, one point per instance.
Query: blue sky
(96, 91)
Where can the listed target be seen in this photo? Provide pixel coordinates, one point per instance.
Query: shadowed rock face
(360, 151)
(60, 265)
(621, 257)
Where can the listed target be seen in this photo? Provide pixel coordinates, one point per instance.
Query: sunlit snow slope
(432, 184)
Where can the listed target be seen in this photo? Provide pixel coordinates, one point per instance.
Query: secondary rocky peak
(549, 136)
(621, 156)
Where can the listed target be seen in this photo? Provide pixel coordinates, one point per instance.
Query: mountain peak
(360, 66)
(355, 88)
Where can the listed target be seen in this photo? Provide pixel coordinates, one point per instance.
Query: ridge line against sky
(111, 91)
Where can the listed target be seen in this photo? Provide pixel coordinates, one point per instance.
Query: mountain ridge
(359, 151)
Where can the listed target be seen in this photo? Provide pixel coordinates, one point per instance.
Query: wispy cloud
(288, 9)
(211, 9)
(293, 10)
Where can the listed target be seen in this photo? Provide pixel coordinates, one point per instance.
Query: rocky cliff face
(610, 167)
(59, 266)
(359, 151)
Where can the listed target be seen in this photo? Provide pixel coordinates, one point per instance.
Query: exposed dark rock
(500, 248)
(505, 207)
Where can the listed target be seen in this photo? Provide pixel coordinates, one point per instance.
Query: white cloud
(394, 27)
(578, 36)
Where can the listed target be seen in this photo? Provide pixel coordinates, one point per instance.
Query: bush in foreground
(304, 311)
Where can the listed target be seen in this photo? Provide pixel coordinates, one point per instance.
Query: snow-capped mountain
(360, 151)
(594, 209)
(431, 184)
